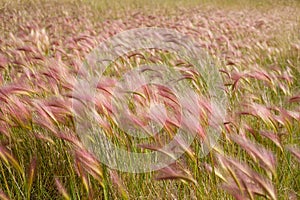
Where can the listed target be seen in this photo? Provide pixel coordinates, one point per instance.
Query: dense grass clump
(256, 47)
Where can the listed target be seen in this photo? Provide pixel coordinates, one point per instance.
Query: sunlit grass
(256, 47)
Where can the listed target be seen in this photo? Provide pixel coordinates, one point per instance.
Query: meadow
(255, 45)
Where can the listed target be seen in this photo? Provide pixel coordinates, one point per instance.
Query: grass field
(255, 45)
